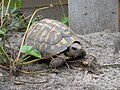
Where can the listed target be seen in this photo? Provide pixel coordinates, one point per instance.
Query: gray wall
(29, 6)
(87, 16)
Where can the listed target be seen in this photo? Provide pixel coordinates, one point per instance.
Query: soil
(104, 46)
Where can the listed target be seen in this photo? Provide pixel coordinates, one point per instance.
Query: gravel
(103, 45)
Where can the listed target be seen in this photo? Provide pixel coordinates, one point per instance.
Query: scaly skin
(75, 50)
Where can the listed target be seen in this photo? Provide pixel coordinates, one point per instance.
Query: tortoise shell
(50, 36)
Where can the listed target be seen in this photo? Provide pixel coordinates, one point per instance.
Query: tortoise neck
(68, 54)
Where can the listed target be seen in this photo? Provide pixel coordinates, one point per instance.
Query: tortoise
(53, 38)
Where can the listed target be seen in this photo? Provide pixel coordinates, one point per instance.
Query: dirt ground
(103, 45)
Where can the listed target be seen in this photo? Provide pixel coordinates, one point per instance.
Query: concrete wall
(88, 16)
(29, 6)
(119, 15)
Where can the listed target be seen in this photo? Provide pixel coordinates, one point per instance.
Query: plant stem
(4, 53)
(2, 59)
(2, 13)
(8, 7)
(62, 8)
(27, 17)
(26, 72)
(15, 7)
(29, 62)
(24, 58)
(27, 31)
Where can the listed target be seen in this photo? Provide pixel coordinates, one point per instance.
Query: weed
(13, 20)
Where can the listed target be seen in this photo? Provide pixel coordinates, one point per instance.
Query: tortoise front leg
(58, 61)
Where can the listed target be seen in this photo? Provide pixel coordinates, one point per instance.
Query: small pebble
(1, 74)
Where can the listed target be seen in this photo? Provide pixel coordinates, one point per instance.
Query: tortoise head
(76, 50)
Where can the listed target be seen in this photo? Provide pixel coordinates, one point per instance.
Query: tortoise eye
(74, 48)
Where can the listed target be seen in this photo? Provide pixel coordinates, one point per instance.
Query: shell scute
(50, 36)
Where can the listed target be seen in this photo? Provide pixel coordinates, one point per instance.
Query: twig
(22, 16)
(26, 72)
(27, 17)
(29, 62)
(15, 6)
(19, 82)
(3, 67)
(52, 5)
(4, 53)
(8, 7)
(0, 3)
(2, 13)
(27, 31)
(62, 8)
